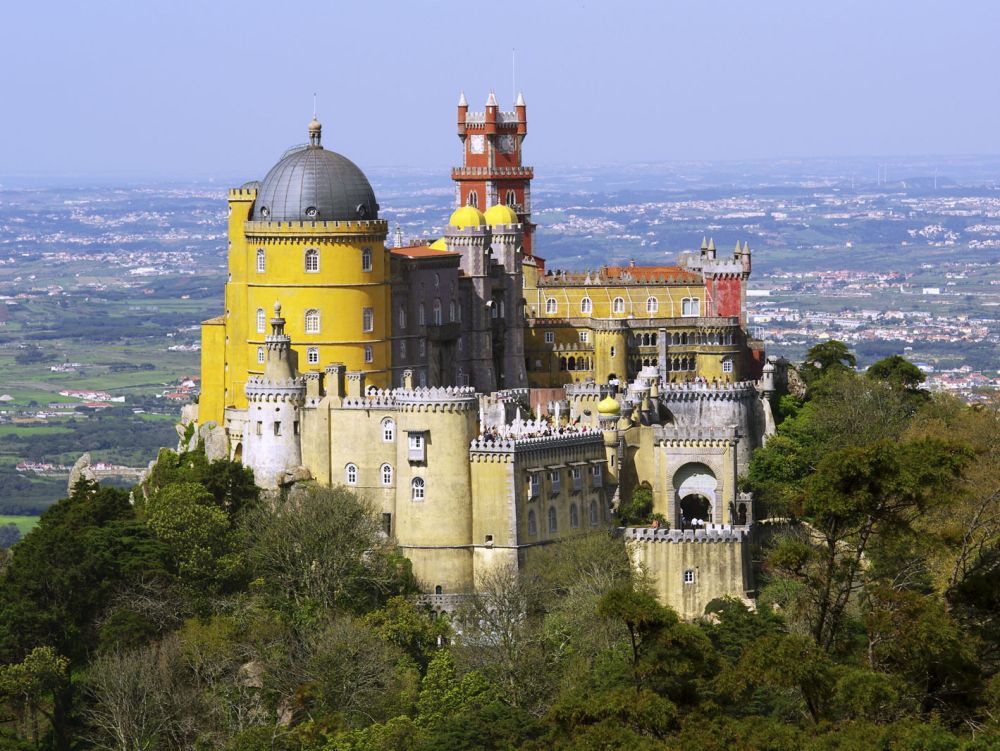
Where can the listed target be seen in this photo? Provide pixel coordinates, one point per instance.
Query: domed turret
(609, 407)
(439, 244)
(500, 214)
(311, 183)
(467, 216)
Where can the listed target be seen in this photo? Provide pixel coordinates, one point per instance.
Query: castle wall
(213, 371)
(719, 562)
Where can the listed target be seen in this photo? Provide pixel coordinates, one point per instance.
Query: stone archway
(238, 453)
(695, 486)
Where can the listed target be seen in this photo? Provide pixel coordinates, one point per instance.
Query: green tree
(29, 689)
(638, 510)
(898, 371)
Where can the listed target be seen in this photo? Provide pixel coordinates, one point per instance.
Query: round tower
(271, 436)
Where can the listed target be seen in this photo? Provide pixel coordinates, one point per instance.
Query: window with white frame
(584, 337)
(312, 355)
(351, 474)
(551, 306)
(594, 518)
(550, 337)
(576, 476)
(312, 260)
(417, 489)
(312, 321)
(596, 475)
(386, 474)
(652, 305)
(473, 199)
(402, 349)
(511, 198)
(586, 306)
(618, 305)
(727, 365)
(420, 314)
(369, 354)
(260, 355)
(690, 306)
(451, 312)
(367, 319)
(437, 313)
(388, 430)
(261, 321)
(261, 261)
(366, 259)
(689, 576)
(555, 481)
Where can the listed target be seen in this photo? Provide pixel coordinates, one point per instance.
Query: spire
(746, 247)
(737, 251)
(398, 240)
(711, 245)
(492, 101)
(520, 99)
(461, 100)
(704, 243)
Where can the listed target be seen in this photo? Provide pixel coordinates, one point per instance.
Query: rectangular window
(534, 485)
(689, 576)
(577, 476)
(584, 336)
(368, 319)
(550, 337)
(416, 446)
(260, 428)
(691, 307)
(555, 479)
(277, 428)
(596, 476)
(312, 355)
(727, 366)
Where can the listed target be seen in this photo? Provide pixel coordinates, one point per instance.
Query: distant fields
(24, 523)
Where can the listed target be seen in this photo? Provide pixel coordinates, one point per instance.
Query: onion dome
(467, 216)
(500, 214)
(311, 183)
(439, 244)
(609, 407)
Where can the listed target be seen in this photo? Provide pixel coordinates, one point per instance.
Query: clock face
(506, 143)
(477, 144)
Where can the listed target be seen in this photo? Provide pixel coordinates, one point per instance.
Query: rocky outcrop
(81, 471)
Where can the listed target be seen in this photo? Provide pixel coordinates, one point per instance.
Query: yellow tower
(308, 235)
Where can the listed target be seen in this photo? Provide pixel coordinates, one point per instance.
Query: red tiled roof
(423, 251)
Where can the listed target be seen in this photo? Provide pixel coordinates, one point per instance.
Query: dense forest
(197, 614)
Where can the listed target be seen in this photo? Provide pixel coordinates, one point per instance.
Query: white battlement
(500, 445)
(698, 390)
(376, 398)
(711, 533)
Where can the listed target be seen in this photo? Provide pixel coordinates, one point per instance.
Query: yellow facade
(342, 286)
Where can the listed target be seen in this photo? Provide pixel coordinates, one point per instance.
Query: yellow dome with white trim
(439, 244)
(500, 214)
(609, 406)
(467, 216)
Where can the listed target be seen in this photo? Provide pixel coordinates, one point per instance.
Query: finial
(277, 309)
(492, 101)
(520, 99)
(461, 100)
(704, 243)
(711, 244)
(746, 247)
(315, 129)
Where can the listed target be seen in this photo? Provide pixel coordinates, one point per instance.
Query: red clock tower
(491, 170)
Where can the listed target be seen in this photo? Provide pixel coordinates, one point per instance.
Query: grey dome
(311, 183)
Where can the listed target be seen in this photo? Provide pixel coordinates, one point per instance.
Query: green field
(24, 523)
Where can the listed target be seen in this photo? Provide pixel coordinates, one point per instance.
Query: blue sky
(222, 88)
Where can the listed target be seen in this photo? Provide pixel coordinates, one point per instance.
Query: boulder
(214, 439)
(81, 471)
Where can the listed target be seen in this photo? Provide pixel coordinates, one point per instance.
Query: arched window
(388, 430)
(421, 314)
(451, 311)
(367, 319)
(593, 514)
(366, 259)
(260, 355)
(312, 260)
(417, 489)
(473, 199)
(312, 355)
(261, 321)
(553, 519)
(386, 474)
(369, 354)
(261, 261)
(511, 198)
(402, 316)
(586, 306)
(532, 523)
(652, 305)
(574, 516)
(551, 306)
(618, 305)
(571, 364)
(351, 474)
(562, 363)
(437, 313)
(312, 321)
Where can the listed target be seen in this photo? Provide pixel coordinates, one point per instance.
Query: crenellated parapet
(362, 230)
(290, 390)
(681, 435)
(452, 398)
(688, 392)
(713, 533)
(524, 445)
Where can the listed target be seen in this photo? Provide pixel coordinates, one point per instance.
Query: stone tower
(274, 401)
(491, 171)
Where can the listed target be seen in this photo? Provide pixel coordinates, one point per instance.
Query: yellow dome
(439, 244)
(500, 214)
(609, 406)
(467, 216)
